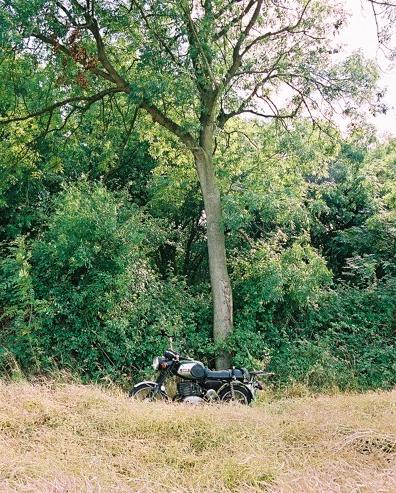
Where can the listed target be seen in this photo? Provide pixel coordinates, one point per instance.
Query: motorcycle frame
(171, 370)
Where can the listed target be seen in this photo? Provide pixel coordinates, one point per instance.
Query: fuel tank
(194, 370)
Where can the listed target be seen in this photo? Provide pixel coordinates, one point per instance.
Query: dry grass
(73, 438)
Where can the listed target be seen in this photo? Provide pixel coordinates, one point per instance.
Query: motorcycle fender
(151, 383)
(238, 383)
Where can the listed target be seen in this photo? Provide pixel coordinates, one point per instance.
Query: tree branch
(92, 25)
(159, 38)
(196, 45)
(279, 31)
(109, 74)
(382, 4)
(236, 55)
(276, 114)
(233, 21)
(159, 117)
(58, 46)
(49, 109)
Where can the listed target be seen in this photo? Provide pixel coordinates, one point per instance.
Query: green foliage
(18, 317)
(86, 294)
(274, 287)
(109, 277)
(321, 333)
(347, 341)
(102, 227)
(104, 260)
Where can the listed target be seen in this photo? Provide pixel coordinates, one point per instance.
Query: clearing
(62, 438)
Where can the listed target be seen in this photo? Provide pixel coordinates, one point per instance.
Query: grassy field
(74, 438)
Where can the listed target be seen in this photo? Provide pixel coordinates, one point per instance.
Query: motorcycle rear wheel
(145, 392)
(242, 395)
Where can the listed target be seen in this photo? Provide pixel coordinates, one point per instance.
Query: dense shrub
(345, 340)
(84, 295)
(312, 332)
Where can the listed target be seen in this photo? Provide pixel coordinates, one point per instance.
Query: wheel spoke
(147, 393)
(239, 397)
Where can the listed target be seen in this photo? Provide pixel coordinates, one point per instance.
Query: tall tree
(192, 65)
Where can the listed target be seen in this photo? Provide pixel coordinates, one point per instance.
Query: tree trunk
(220, 281)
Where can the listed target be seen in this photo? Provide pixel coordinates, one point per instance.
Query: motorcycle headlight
(155, 364)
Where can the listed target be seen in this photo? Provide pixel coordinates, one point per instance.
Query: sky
(360, 33)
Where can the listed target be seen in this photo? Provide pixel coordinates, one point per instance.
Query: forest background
(102, 221)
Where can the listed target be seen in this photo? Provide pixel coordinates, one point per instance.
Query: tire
(242, 394)
(144, 392)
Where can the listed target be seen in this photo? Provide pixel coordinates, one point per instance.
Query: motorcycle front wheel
(146, 392)
(242, 394)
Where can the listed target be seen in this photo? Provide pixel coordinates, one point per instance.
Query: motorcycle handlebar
(169, 354)
(173, 355)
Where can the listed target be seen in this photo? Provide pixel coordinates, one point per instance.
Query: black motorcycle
(197, 384)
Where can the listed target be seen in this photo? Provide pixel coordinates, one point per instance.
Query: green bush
(312, 332)
(346, 340)
(84, 296)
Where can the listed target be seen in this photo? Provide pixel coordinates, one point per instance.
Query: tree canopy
(115, 231)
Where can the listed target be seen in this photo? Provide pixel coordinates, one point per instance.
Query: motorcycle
(197, 384)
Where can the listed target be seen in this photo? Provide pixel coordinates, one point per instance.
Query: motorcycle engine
(192, 393)
(187, 389)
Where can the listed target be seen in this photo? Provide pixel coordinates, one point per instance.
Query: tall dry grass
(74, 438)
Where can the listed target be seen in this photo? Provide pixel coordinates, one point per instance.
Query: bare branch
(66, 119)
(223, 117)
(276, 113)
(244, 134)
(68, 14)
(383, 4)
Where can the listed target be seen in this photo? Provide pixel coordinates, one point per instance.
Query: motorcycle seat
(225, 374)
(218, 374)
